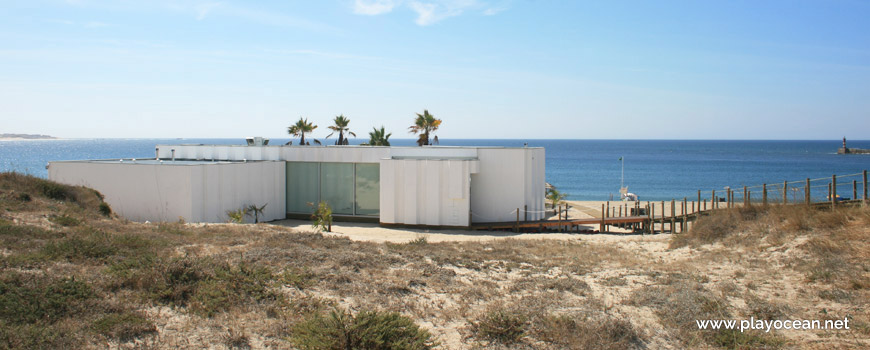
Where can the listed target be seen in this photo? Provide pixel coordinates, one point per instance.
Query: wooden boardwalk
(679, 215)
(562, 225)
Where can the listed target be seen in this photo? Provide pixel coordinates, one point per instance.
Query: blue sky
(488, 69)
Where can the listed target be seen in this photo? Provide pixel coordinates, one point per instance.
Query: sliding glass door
(348, 188)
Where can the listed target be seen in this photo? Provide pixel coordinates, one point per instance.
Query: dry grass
(169, 285)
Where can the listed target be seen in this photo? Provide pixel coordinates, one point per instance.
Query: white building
(429, 186)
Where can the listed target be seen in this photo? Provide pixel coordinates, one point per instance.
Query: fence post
(865, 185)
(699, 200)
(673, 216)
(730, 198)
(745, 196)
(854, 189)
(785, 192)
(601, 226)
(833, 191)
(807, 192)
(651, 213)
(713, 200)
(764, 195)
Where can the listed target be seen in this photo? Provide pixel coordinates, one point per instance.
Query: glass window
(336, 186)
(368, 181)
(303, 186)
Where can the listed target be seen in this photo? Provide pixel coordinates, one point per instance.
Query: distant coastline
(23, 137)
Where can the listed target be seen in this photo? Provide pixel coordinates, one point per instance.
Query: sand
(371, 232)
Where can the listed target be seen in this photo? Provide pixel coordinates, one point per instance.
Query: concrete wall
(426, 192)
(501, 179)
(166, 192)
(509, 178)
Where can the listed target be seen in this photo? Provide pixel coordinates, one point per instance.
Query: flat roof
(352, 146)
(152, 161)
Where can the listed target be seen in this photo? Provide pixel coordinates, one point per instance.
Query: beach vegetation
(255, 211)
(302, 127)
(340, 126)
(322, 217)
(379, 137)
(237, 216)
(424, 125)
(105, 209)
(339, 329)
(555, 197)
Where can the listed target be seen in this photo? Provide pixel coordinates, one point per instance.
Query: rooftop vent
(257, 141)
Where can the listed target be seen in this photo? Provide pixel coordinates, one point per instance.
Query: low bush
(124, 325)
(205, 286)
(373, 330)
(65, 220)
(599, 333)
(105, 209)
(500, 325)
(54, 190)
(29, 299)
(90, 246)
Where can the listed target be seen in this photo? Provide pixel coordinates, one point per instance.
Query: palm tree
(255, 211)
(379, 137)
(424, 124)
(341, 127)
(300, 128)
(555, 197)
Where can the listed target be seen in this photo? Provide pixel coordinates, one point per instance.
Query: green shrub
(501, 325)
(237, 216)
(24, 197)
(232, 286)
(26, 299)
(124, 325)
(105, 209)
(92, 246)
(173, 282)
(322, 217)
(37, 337)
(373, 330)
(205, 286)
(599, 333)
(56, 191)
(65, 220)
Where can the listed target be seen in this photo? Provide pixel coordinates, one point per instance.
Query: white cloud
(94, 24)
(375, 7)
(91, 24)
(494, 11)
(431, 12)
(425, 13)
(203, 9)
(428, 11)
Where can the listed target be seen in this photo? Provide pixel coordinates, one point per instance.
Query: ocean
(584, 169)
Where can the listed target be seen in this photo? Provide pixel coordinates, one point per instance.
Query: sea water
(584, 169)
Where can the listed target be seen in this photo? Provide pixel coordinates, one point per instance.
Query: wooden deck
(567, 225)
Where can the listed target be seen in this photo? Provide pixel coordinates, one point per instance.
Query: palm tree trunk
(302, 141)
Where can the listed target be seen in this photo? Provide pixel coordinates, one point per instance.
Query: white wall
(167, 192)
(221, 187)
(502, 180)
(426, 192)
(509, 178)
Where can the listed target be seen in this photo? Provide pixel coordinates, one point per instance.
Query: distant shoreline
(25, 137)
